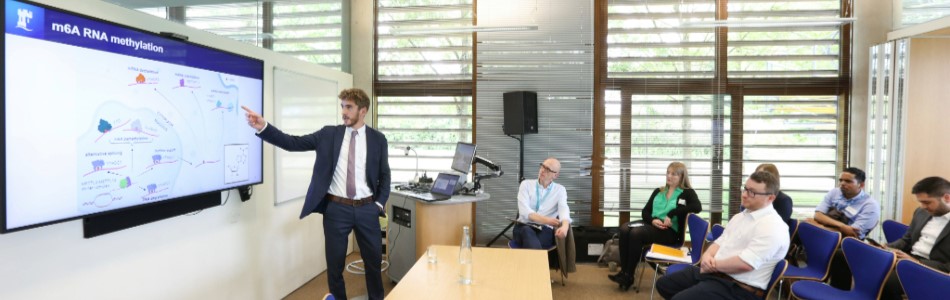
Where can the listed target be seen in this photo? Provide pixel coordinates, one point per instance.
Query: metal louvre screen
(761, 85)
(646, 40)
(310, 30)
(408, 49)
(784, 51)
(556, 62)
(692, 129)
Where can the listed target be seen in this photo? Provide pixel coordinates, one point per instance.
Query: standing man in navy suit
(350, 185)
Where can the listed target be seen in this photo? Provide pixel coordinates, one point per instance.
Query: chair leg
(639, 268)
(653, 288)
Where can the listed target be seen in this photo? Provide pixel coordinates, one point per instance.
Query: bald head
(553, 164)
(549, 170)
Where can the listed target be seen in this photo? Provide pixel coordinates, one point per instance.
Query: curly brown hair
(356, 95)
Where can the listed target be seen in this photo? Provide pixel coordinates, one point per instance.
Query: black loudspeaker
(521, 113)
(245, 192)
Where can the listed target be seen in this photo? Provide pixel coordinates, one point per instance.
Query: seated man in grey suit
(926, 240)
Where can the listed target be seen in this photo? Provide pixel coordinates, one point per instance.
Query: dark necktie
(351, 168)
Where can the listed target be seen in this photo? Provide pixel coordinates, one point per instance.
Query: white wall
(873, 21)
(250, 250)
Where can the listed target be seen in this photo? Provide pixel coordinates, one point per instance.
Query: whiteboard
(303, 104)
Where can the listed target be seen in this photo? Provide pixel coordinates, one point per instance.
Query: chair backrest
(714, 232)
(697, 234)
(893, 230)
(922, 282)
(820, 245)
(777, 273)
(869, 266)
(792, 228)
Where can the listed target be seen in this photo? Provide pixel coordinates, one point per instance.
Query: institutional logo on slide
(23, 18)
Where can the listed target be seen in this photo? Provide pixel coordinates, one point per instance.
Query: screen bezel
(452, 178)
(468, 164)
(178, 199)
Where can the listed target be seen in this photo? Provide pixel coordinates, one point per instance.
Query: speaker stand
(520, 179)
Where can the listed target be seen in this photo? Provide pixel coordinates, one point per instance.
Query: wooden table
(499, 273)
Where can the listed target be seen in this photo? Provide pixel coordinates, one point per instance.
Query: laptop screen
(444, 184)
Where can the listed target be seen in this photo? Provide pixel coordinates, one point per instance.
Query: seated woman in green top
(664, 219)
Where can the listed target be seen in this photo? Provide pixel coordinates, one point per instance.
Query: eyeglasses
(547, 169)
(752, 193)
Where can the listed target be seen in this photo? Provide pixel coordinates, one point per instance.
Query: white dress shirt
(928, 236)
(758, 238)
(338, 186)
(553, 201)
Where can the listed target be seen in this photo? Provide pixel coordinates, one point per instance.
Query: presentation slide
(100, 117)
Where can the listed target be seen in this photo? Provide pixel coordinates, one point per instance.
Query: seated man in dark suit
(926, 240)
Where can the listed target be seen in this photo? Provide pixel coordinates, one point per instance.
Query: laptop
(442, 188)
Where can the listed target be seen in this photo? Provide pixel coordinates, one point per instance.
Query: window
(430, 125)
(423, 82)
(799, 51)
(799, 135)
(920, 11)
(721, 100)
(661, 129)
(423, 56)
(310, 30)
(645, 40)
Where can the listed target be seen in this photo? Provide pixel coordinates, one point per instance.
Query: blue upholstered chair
(893, 230)
(792, 228)
(776, 278)
(698, 228)
(869, 266)
(921, 282)
(820, 245)
(714, 232)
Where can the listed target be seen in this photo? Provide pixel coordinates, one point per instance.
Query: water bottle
(465, 257)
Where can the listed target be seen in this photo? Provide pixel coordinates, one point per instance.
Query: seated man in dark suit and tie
(350, 186)
(926, 239)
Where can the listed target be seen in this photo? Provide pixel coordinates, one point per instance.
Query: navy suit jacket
(939, 255)
(327, 143)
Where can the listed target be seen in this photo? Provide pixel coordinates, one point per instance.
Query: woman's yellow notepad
(670, 251)
(660, 252)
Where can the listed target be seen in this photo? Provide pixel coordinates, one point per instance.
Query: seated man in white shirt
(739, 264)
(542, 203)
(926, 240)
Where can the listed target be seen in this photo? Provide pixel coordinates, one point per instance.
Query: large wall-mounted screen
(99, 117)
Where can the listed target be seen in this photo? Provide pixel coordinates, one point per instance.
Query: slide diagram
(165, 132)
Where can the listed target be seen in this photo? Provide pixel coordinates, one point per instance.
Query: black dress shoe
(623, 279)
(615, 277)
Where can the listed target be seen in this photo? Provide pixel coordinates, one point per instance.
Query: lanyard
(541, 197)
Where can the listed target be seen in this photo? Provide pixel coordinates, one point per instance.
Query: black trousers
(690, 284)
(839, 276)
(633, 239)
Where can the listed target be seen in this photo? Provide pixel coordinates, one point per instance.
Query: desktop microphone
(406, 153)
